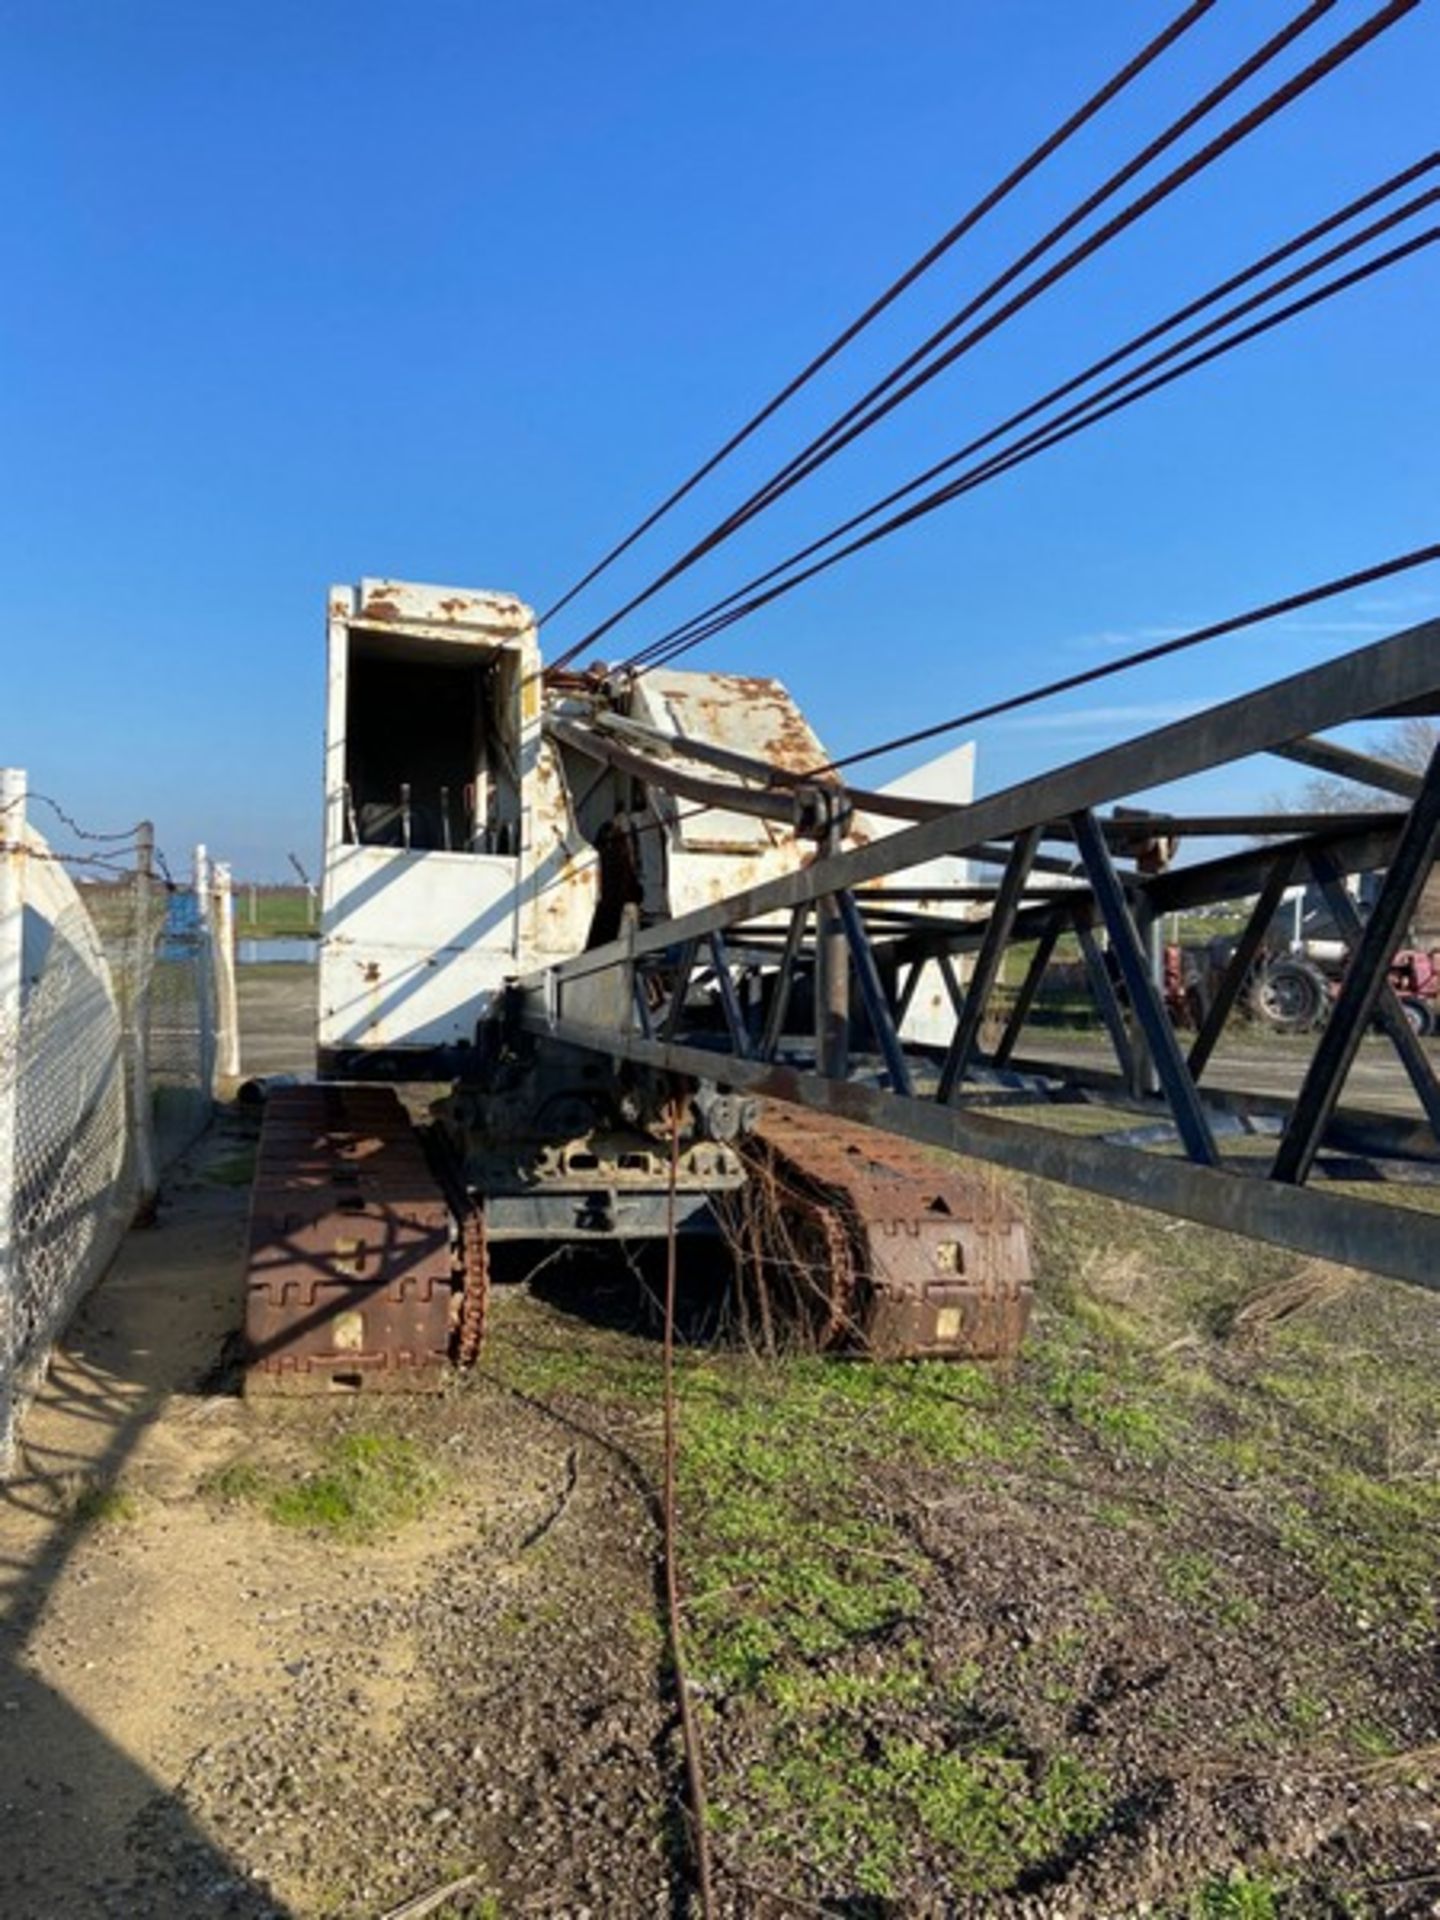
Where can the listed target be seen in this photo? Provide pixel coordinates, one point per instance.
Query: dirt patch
(207, 1710)
(401, 1731)
(1147, 1624)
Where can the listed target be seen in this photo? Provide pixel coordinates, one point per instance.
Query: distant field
(262, 911)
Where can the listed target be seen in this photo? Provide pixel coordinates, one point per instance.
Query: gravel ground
(1111, 1562)
(242, 1718)
(236, 1717)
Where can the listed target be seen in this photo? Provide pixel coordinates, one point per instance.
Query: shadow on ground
(91, 1829)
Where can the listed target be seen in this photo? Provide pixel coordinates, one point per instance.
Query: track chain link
(475, 1285)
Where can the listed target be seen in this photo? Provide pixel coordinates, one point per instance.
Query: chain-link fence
(181, 1027)
(107, 1066)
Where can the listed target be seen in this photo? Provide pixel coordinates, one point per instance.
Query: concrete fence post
(227, 1006)
(141, 1104)
(13, 858)
(205, 973)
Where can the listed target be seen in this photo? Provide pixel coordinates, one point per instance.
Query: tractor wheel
(1292, 996)
(1419, 1013)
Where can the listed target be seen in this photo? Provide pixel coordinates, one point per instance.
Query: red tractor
(1292, 992)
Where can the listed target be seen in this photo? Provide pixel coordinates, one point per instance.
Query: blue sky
(294, 294)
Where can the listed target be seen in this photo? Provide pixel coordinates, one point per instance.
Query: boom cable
(679, 639)
(1136, 165)
(1199, 636)
(841, 434)
(1292, 603)
(968, 221)
(1003, 463)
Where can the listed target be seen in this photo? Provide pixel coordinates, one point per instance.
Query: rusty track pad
(349, 1277)
(920, 1256)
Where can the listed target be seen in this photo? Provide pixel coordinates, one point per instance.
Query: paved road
(277, 1026)
(277, 1018)
(1273, 1065)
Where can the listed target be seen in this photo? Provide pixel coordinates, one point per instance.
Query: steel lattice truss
(709, 995)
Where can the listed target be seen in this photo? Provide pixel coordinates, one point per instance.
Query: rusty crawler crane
(578, 900)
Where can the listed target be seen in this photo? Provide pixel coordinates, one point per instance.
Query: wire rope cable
(1086, 412)
(835, 438)
(1406, 177)
(1291, 603)
(986, 205)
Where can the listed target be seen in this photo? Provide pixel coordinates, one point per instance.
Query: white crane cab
(431, 736)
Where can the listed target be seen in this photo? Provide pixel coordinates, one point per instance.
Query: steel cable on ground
(689, 1729)
(968, 221)
(660, 648)
(1044, 438)
(834, 439)
(1086, 412)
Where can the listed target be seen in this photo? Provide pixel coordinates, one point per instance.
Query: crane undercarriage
(370, 1238)
(673, 971)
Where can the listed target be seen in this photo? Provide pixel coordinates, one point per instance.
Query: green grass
(1371, 1545)
(278, 910)
(808, 1601)
(792, 1569)
(864, 1755)
(804, 1603)
(1239, 1896)
(1331, 1426)
(803, 1597)
(1205, 1588)
(861, 1805)
(366, 1486)
(371, 1484)
(240, 1481)
(100, 1503)
(235, 1170)
(543, 1370)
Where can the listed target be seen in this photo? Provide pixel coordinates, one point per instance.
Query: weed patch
(994, 1812)
(1110, 1402)
(1200, 1584)
(241, 1480)
(100, 1503)
(1239, 1896)
(367, 1485)
(235, 1170)
(1372, 1545)
(580, 1372)
(934, 1610)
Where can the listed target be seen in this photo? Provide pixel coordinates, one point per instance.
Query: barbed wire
(122, 843)
(69, 820)
(74, 857)
(109, 863)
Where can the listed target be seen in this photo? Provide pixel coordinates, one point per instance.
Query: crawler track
(349, 1282)
(878, 1246)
